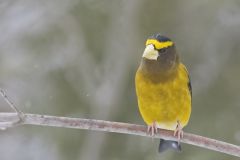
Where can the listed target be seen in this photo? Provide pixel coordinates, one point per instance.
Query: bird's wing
(189, 80)
(189, 85)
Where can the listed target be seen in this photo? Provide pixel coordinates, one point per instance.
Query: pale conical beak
(150, 52)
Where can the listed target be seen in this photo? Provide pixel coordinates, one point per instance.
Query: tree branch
(19, 118)
(117, 127)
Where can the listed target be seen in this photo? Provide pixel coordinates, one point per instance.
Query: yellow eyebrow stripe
(159, 45)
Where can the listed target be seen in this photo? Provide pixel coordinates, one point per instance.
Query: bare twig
(19, 118)
(20, 114)
(117, 127)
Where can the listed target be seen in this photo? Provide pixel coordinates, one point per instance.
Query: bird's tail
(167, 144)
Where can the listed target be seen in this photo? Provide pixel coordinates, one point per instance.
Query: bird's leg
(178, 132)
(152, 129)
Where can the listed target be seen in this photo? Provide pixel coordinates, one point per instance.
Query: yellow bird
(163, 89)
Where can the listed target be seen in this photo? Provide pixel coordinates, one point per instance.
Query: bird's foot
(152, 129)
(178, 132)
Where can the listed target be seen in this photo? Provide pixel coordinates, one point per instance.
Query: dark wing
(189, 85)
(189, 81)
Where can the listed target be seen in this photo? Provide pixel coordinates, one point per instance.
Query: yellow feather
(159, 45)
(164, 102)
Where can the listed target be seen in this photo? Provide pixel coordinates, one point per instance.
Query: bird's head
(160, 53)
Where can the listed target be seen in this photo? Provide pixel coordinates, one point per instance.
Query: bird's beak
(150, 52)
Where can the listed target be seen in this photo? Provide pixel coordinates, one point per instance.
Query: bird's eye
(162, 50)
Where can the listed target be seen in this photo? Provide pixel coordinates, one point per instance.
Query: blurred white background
(78, 58)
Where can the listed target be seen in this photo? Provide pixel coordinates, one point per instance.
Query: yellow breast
(165, 102)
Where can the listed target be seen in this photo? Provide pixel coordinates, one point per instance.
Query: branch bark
(12, 119)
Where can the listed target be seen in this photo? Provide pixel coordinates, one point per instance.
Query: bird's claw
(152, 129)
(178, 132)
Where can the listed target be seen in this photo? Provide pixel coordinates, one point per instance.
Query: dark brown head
(160, 55)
